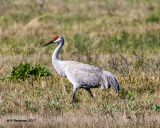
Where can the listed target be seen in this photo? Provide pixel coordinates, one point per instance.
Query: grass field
(121, 36)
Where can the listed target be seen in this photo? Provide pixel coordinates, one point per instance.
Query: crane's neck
(56, 51)
(56, 62)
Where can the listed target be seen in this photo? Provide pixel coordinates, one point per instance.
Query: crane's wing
(83, 74)
(112, 80)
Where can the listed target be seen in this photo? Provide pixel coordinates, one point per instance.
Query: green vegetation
(26, 70)
(154, 15)
(122, 37)
(155, 107)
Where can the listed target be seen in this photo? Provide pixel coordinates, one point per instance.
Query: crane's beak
(49, 43)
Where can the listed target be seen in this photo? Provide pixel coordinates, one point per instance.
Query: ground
(122, 37)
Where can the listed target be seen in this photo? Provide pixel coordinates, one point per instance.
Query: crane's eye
(55, 38)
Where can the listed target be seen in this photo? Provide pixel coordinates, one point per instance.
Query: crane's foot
(94, 99)
(88, 89)
(71, 102)
(74, 92)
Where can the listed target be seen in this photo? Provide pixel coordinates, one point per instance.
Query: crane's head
(56, 39)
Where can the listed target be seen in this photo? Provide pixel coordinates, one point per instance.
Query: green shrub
(26, 70)
(155, 107)
(154, 15)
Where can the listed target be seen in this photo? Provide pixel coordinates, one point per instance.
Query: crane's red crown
(55, 38)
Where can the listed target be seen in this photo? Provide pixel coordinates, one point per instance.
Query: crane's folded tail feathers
(112, 81)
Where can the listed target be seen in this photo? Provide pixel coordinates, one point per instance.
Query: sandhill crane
(81, 75)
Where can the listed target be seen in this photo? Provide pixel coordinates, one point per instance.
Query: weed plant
(23, 71)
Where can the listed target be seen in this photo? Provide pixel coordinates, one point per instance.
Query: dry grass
(128, 119)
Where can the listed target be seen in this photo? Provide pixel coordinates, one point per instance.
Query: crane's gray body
(82, 75)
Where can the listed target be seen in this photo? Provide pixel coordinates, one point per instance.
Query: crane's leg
(74, 92)
(88, 90)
